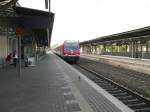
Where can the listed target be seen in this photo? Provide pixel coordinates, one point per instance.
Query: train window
(71, 46)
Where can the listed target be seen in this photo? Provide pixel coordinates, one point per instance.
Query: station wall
(3, 49)
(7, 45)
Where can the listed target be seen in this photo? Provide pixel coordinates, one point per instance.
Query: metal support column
(141, 50)
(19, 55)
(146, 47)
(104, 49)
(95, 49)
(133, 49)
(49, 40)
(111, 49)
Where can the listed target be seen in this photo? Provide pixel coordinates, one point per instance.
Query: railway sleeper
(105, 85)
(112, 89)
(131, 101)
(120, 94)
(115, 91)
(108, 87)
(93, 78)
(125, 97)
(138, 105)
(99, 81)
(143, 110)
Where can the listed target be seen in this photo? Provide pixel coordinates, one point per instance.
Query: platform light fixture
(47, 4)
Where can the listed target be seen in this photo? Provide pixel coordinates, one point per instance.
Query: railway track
(136, 81)
(130, 98)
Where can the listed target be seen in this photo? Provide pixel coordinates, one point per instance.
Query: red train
(69, 51)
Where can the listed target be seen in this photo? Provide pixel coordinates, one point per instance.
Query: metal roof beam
(7, 5)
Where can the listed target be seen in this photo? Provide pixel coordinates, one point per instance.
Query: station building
(36, 29)
(8, 40)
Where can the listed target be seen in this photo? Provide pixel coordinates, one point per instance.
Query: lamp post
(47, 6)
(19, 32)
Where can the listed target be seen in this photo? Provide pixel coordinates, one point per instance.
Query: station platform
(139, 65)
(53, 86)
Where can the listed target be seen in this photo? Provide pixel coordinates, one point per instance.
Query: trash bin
(31, 61)
(26, 62)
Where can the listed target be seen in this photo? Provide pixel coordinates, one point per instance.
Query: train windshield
(71, 46)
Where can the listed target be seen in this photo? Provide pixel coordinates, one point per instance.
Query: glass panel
(71, 46)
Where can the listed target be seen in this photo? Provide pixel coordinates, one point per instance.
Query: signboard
(19, 30)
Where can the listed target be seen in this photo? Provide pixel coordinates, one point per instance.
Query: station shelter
(133, 44)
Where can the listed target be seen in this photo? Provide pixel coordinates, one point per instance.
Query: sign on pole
(19, 30)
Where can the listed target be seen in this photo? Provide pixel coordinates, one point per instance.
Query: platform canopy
(137, 34)
(31, 18)
(5, 4)
(28, 18)
(40, 23)
(6, 7)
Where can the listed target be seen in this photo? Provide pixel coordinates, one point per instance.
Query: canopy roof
(137, 34)
(30, 20)
(5, 4)
(6, 7)
(38, 22)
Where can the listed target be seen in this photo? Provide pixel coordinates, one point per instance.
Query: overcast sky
(87, 19)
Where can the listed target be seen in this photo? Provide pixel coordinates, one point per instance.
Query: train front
(71, 51)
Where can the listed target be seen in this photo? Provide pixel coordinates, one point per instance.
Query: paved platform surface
(53, 86)
(140, 65)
